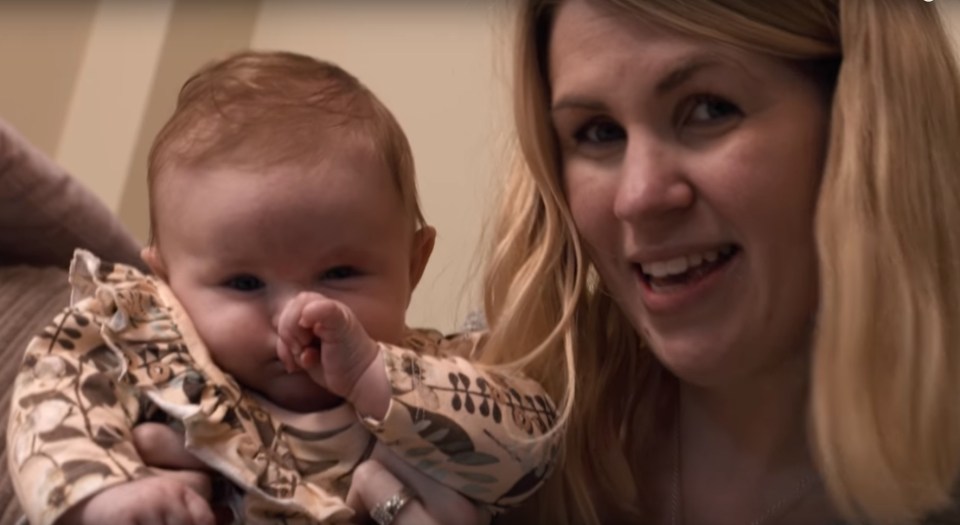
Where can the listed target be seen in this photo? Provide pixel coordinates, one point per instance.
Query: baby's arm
(158, 499)
(323, 337)
(487, 433)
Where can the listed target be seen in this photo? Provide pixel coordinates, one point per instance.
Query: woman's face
(691, 169)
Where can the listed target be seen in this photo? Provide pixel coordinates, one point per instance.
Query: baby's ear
(151, 256)
(420, 251)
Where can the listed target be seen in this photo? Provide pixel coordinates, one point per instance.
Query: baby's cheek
(229, 333)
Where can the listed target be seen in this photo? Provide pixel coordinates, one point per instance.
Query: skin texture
(672, 147)
(161, 500)
(237, 247)
(675, 147)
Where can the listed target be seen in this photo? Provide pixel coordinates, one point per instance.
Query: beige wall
(41, 48)
(110, 94)
(91, 81)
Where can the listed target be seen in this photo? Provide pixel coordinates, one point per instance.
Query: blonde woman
(737, 225)
(732, 245)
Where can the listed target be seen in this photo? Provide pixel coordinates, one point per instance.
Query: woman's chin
(704, 365)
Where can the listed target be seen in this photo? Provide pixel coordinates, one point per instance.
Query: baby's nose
(279, 304)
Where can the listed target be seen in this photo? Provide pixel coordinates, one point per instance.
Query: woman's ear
(420, 251)
(151, 256)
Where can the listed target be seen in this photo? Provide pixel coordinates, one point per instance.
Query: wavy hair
(886, 374)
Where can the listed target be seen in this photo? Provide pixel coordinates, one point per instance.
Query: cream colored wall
(110, 95)
(40, 53)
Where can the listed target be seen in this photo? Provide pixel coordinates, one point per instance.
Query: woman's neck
(757, 423)
(742, 449)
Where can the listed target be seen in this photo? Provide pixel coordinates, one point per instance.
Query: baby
(286, 240)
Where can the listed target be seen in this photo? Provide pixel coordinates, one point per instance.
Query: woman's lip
(673, 301)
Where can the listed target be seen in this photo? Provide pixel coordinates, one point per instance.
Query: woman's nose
(653, 184)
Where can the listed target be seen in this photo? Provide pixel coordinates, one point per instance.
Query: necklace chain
(778, 508)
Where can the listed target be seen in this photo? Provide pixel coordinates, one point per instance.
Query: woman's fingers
(199, 481)
(443, 504)
(162, 447)
(373, 485)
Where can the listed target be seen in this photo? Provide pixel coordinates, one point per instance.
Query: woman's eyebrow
(691, 66)
(575, 102)
(677, 76)
(685, 71)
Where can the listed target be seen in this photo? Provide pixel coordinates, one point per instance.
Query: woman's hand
(374, 482)
(385, 474)
(162, 499)
(161, 448)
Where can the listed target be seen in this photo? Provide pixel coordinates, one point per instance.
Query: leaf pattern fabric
(124, 352)
(481, 432)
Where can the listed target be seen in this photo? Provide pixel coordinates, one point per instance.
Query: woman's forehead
(590, 48)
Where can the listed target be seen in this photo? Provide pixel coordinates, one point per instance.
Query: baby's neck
(307, 420)
(321, 400)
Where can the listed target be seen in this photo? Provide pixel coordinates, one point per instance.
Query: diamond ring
(385, 512)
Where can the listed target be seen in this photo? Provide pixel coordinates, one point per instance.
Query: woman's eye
(244, 283)
(600, 132)
(340, 272)
(708, 110)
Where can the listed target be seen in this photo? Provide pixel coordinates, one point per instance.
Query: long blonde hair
(885, 379)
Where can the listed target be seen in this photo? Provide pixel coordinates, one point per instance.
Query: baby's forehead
(343, 187)
(353, 160)
(291, 216)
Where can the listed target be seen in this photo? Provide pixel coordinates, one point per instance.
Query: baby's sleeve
(68, 435)
(486, 433)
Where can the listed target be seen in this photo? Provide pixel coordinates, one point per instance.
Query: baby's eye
(709, 109)
(244, 283)
(340, 272)
(600, 132)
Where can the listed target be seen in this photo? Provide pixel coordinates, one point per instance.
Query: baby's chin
(300, 394)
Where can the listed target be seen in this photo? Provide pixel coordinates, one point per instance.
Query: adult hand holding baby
(178, 494)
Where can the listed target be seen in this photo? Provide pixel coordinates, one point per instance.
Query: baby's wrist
(371, 394)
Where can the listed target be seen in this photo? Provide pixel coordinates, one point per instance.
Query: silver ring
(385, 512)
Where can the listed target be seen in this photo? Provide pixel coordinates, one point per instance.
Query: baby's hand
(324, 338)
(158, 499)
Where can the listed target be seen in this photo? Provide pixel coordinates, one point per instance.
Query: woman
(732, 243)
(767, 192)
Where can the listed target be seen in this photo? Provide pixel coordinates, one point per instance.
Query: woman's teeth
(682, 265)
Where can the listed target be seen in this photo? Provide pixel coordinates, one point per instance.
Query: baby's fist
(325, 338)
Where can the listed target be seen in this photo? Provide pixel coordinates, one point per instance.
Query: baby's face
(235, 246)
